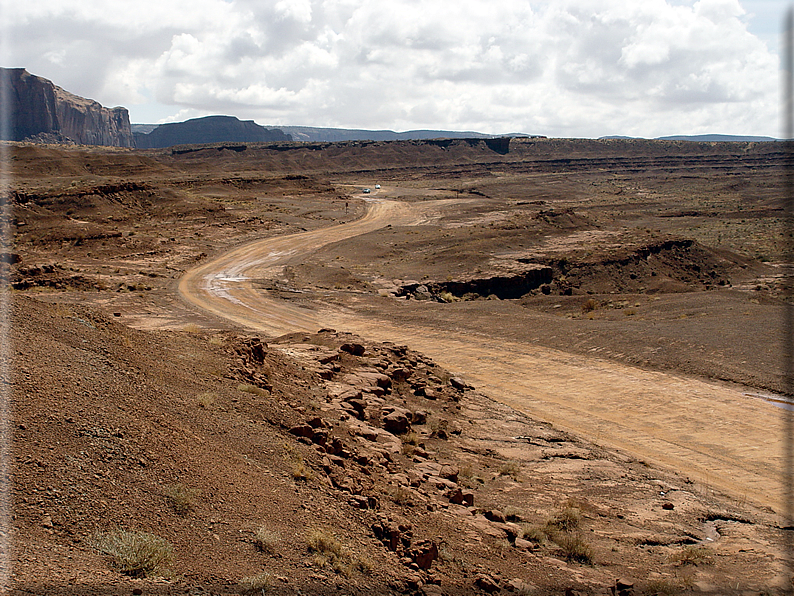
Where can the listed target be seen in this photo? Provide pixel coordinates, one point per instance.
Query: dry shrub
(574, 547)
(589, 305)
(139, 554)
(510, 468)
(253, 389)
(206, 400)
(692, 555)
(661, 587)
(512, 513)
(410, 438)
(182, 498)
(533, 533)
(300, 471)
(567, 519)
(255, 583)
(266, 540)
(400, 495)
(329, 551)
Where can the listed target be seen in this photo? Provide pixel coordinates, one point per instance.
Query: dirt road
(714, 435)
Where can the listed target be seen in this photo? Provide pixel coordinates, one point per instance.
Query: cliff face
(210, 129)
(36, 106)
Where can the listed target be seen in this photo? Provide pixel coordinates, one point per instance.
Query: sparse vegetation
(410, 438)
(206, 400)
(301, 471)
(661, 587)
(574, 547)
(400, 495)
(533, 533)
(139, 554)
(255, 583)
(567, 519)
(510, 468)
(330, 551)
(181, 497)
(253, 389)
(266, 540)
(512, 513)
(692, 555)
(589, 305)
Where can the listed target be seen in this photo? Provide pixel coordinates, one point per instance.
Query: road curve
(716, 435)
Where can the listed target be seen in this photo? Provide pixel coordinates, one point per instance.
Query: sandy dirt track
(713, 434)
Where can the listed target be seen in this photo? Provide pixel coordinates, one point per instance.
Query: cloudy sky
(561, 68)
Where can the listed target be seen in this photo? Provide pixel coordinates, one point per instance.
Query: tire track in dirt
(713, 434)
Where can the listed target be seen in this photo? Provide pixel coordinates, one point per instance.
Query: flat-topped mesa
(37, 108)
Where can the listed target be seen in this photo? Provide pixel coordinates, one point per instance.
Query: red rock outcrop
(38, 108)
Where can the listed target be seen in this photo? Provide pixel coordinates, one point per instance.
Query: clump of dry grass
(266, 540)
(410, 438)
(574, 547)
(255, 583)
(512, 513)
(533, 533)
(566, 519)
(253, 389)
(139, 554)
(510, 468)
(400, 495)
(692, 555)
(206, 400)
(181, 497)
(662, 587)
(301, 471)
(329, 551)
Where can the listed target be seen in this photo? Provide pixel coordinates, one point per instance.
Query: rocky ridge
(40, 110)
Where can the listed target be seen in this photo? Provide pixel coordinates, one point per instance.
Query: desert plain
(434, 367)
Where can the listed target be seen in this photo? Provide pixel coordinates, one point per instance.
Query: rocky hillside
(210, 129)
(40, 110)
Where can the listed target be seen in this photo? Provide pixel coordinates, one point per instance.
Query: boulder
(450, 473)
(495, 515)
(302, 430)
(353, 348)
(487, 583)
(397, 422)
(460, 497)
(423, 553)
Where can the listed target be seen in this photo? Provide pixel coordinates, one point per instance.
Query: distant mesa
(210, 129)
(313, 134)
(710, 138)
(40, 111)
(718, 138)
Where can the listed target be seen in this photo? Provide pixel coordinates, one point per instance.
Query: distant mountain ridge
(314, 134)
(705, 138)
(39, 110)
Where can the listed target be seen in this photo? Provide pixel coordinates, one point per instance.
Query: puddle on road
(780, 401)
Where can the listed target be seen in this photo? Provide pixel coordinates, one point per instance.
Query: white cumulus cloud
(557, 67)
